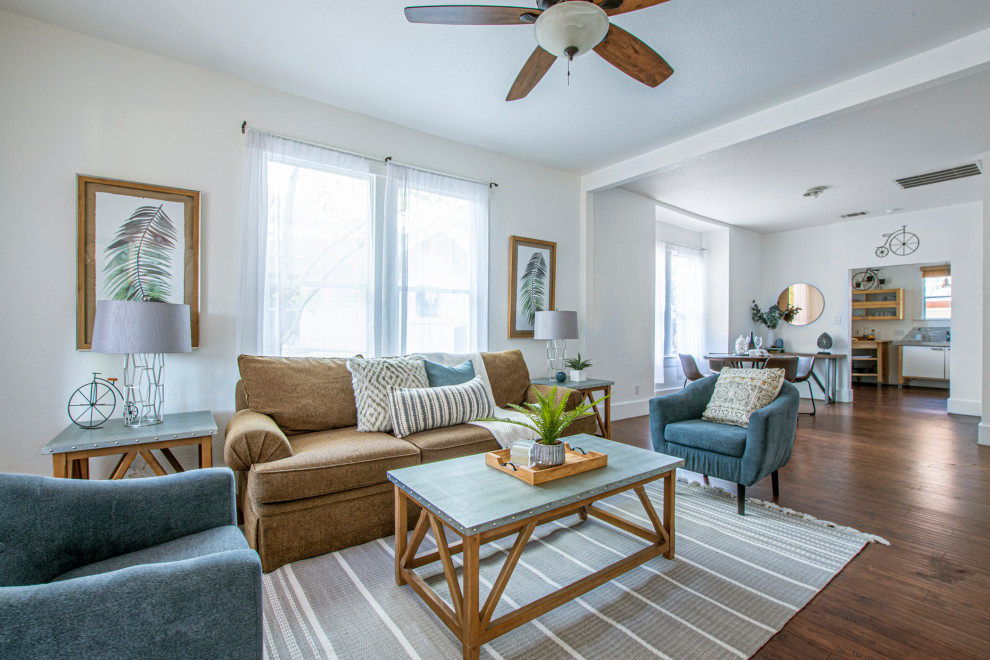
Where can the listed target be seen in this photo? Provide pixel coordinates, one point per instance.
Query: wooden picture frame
(112, 215)
(528, 258)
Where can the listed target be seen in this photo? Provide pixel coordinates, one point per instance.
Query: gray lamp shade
(556, 325)
(131, 326)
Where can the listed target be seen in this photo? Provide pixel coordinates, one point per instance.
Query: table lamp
(556, 327)
(144, 331)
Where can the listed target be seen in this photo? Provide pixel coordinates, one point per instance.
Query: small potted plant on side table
(578, 366)
(549, 418)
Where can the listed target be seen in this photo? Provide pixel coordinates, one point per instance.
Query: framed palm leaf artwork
(136, 242)
(532, 273)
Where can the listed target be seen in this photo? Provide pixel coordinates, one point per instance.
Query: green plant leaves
(548, 417)
(577, 363)
(534, 282)
(140, 257)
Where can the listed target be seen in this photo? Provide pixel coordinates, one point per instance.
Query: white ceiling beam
(955, 58)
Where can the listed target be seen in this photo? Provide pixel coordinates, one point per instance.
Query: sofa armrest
(770, 436)
(252, 437)
(210, 606)
(574, 398)
(689, 403)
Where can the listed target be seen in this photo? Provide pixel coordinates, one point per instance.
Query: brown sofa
(316, 484)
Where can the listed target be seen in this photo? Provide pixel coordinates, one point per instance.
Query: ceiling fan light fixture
(571, 28)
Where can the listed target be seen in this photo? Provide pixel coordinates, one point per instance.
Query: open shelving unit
(869, 359)
(878, 305)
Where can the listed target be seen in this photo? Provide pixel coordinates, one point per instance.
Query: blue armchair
(733, 453)
(139, 568)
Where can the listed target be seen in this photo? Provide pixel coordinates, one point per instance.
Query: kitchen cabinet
(924, 362)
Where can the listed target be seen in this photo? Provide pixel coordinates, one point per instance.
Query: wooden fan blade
(532, 72)
(472, 15)
(633, 57)
(613, 7)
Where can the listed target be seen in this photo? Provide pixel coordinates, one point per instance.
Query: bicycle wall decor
(901, 243)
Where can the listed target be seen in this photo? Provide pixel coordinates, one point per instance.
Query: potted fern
(578, 366)
(549, 418)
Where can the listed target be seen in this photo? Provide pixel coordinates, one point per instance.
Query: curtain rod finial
(243, 126)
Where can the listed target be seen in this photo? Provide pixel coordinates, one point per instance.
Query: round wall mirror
(807, 297)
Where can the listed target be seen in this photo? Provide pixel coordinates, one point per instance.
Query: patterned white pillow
(740, 392)
(371, 378)
(415, 410)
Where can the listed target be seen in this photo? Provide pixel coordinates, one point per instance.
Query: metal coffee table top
(472, 497)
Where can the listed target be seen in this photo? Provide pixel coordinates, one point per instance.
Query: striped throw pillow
(420, 409)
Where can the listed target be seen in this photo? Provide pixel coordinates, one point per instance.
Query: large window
(936, 292)
(680, 308)
(357, 259)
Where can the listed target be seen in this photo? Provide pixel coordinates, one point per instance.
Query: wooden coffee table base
(472, 621)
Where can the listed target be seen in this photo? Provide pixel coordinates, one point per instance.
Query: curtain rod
(690, 247)
(387, 159)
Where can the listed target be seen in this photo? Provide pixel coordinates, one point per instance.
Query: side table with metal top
(74, 446)
(588, 388)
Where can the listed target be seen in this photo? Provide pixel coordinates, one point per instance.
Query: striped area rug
(734, 582)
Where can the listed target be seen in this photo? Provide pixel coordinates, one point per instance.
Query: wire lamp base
(144, 389)
(556, 349)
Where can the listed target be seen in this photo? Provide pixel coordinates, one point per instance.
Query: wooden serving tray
(574, 463)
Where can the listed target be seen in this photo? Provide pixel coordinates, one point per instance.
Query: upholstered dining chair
(715, 366)
(805, 371)
(789, 364)
(690, 368)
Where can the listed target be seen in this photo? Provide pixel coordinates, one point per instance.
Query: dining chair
(715, 366)
(805, 370)
(690, 368)
(789, 364)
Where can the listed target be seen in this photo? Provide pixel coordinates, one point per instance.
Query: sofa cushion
(328, 462)
(300, 394)
(508, 375)
(708, 436)
(740, 392)
(371, 378)
(452, 442)
(208, 542)
(439, 375)
(420, 409)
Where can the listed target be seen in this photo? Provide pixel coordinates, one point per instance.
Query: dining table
(757, 361)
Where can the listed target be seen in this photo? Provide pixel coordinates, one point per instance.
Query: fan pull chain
(568, 72)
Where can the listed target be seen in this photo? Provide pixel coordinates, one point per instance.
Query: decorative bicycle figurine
(93, 403)
(865, 280)
(901, 243)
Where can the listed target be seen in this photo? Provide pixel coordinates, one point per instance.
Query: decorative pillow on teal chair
(420, 409)
(740, 392)
(439, 375)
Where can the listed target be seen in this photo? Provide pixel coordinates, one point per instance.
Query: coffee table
(480, 504)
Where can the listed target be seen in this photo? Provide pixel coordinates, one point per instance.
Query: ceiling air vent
(854, 214)
(972, 169)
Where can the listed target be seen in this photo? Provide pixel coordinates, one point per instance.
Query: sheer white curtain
(680, 310)
(434, 266)
(306, 261)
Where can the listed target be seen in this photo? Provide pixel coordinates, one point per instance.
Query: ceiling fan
(564, 28)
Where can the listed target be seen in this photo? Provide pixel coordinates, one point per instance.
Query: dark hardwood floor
(893, 463)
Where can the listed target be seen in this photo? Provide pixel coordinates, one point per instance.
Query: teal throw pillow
(440, 376)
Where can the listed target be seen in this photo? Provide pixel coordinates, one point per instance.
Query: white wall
(823, 256)
(717, 290)
(620, 335)
(75, 104)
(983, 435)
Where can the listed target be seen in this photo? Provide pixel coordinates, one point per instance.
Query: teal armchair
(138, 568)
(737, 454)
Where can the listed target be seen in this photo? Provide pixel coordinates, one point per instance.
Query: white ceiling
(730, 59)
(759, 184)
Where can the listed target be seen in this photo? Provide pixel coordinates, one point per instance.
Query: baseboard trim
(983, 434)
(964, 407)
(627, 409)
